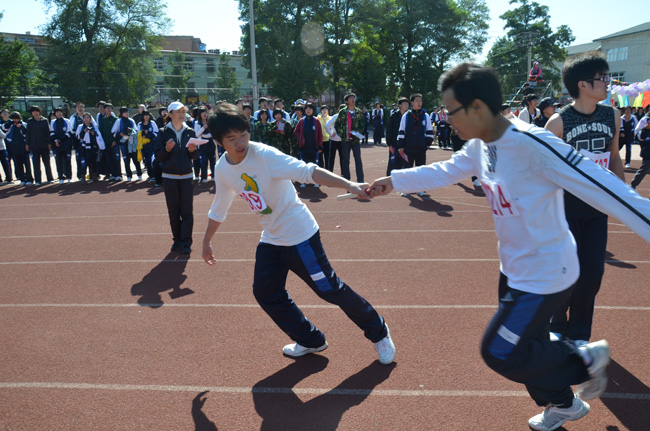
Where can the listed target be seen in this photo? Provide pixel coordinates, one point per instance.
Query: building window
(210, 66)
(189, 65)
(158, 65)
(210, 85)
(617, 54)
(618, 76)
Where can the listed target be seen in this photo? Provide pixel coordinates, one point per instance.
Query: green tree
(283, 62)
(102, 49)
(20, 75)
(176, 75)
(528, 27)
(226, 80)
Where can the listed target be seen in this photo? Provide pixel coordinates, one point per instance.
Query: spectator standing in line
(76, 120)
(148, 130)
(394, 158)
(335, 142)
(207, 151)
(644, 141)
(323, 118)
(279, 104)
(264, 106)
(535, 74)
(366, 123)
(443, 129)
(377, 124)
(530, 111)
(124, 131)
(5, 125)
(38, 140)
(137, 118)
(262, 128)
(281, 133)
(546, 110)
(626, 137)
(309, 136)
(61, 141)
(4, 159)
(350, 125)
(109, 166)
(177, 157)
(414, 136)
(17, 139)
(91, 144)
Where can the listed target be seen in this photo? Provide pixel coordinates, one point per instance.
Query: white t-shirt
(263, 180)
(523, 174)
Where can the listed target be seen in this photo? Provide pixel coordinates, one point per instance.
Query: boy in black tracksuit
(17, 143)
(38, 140)
(60, 133)
(415, 135)
(394, 159)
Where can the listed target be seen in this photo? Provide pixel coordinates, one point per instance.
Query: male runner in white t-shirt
(262, 176)
(523, 169)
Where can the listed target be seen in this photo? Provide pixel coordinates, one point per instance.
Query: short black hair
(227, 117)
(402, 100)
(504, 107)
(470, 81)
(247, 105)
(325, 107)
(414, 95)
(582, 67)
(15, 116)
(277, 111)
(299, 108)
(349, 95)
(276, 101)
(124, 109)
(34, 108)
(310, 105)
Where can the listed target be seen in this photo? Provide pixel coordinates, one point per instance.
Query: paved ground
(104, 329)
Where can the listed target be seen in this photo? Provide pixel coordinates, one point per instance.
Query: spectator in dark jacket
(177, 157)
(38, 140)
(394, 159)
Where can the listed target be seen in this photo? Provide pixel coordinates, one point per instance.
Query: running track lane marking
(306, 391)
(313, 306)
(256, 232)
(56, 262)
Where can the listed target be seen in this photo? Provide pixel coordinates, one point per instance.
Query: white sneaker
(303, 185)
(404, 195)
(580, 343)
(386, 349)
(296, 350)
(316, 185)
(596, 385)
(555, 336)
(422, 194)
(477, 183)
(627, 165)
(553, 417)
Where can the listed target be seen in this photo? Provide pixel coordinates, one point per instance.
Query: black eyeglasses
(605, 78)
(450, 113)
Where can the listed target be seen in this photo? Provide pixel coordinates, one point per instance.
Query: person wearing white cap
(176, 156)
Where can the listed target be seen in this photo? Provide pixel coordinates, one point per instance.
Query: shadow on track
(633, 414)
(169, 274)
(201, 421)
(281, 409)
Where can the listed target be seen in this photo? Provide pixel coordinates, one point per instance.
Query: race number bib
(601, 159)
(499, 198)
(254, 201)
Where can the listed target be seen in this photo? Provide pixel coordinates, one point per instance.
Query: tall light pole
(256, 93)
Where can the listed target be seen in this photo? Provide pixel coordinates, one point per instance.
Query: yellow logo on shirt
(251, 186)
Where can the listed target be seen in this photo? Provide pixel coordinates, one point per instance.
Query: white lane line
(305, 391)
(75, 262)
(312, 306)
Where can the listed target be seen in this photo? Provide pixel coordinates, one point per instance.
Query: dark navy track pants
(516, 345)
(309, 262)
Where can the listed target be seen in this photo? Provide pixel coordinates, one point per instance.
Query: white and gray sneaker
(295, 350)
(598, 351)
(385, 349)
(554, 417)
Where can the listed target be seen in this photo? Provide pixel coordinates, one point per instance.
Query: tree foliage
(104, 47)
(19, 72)
(176, 76)
(377, 48)
(226, 80)
(529, 24)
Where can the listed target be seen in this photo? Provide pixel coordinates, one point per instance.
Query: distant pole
(256, 93)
